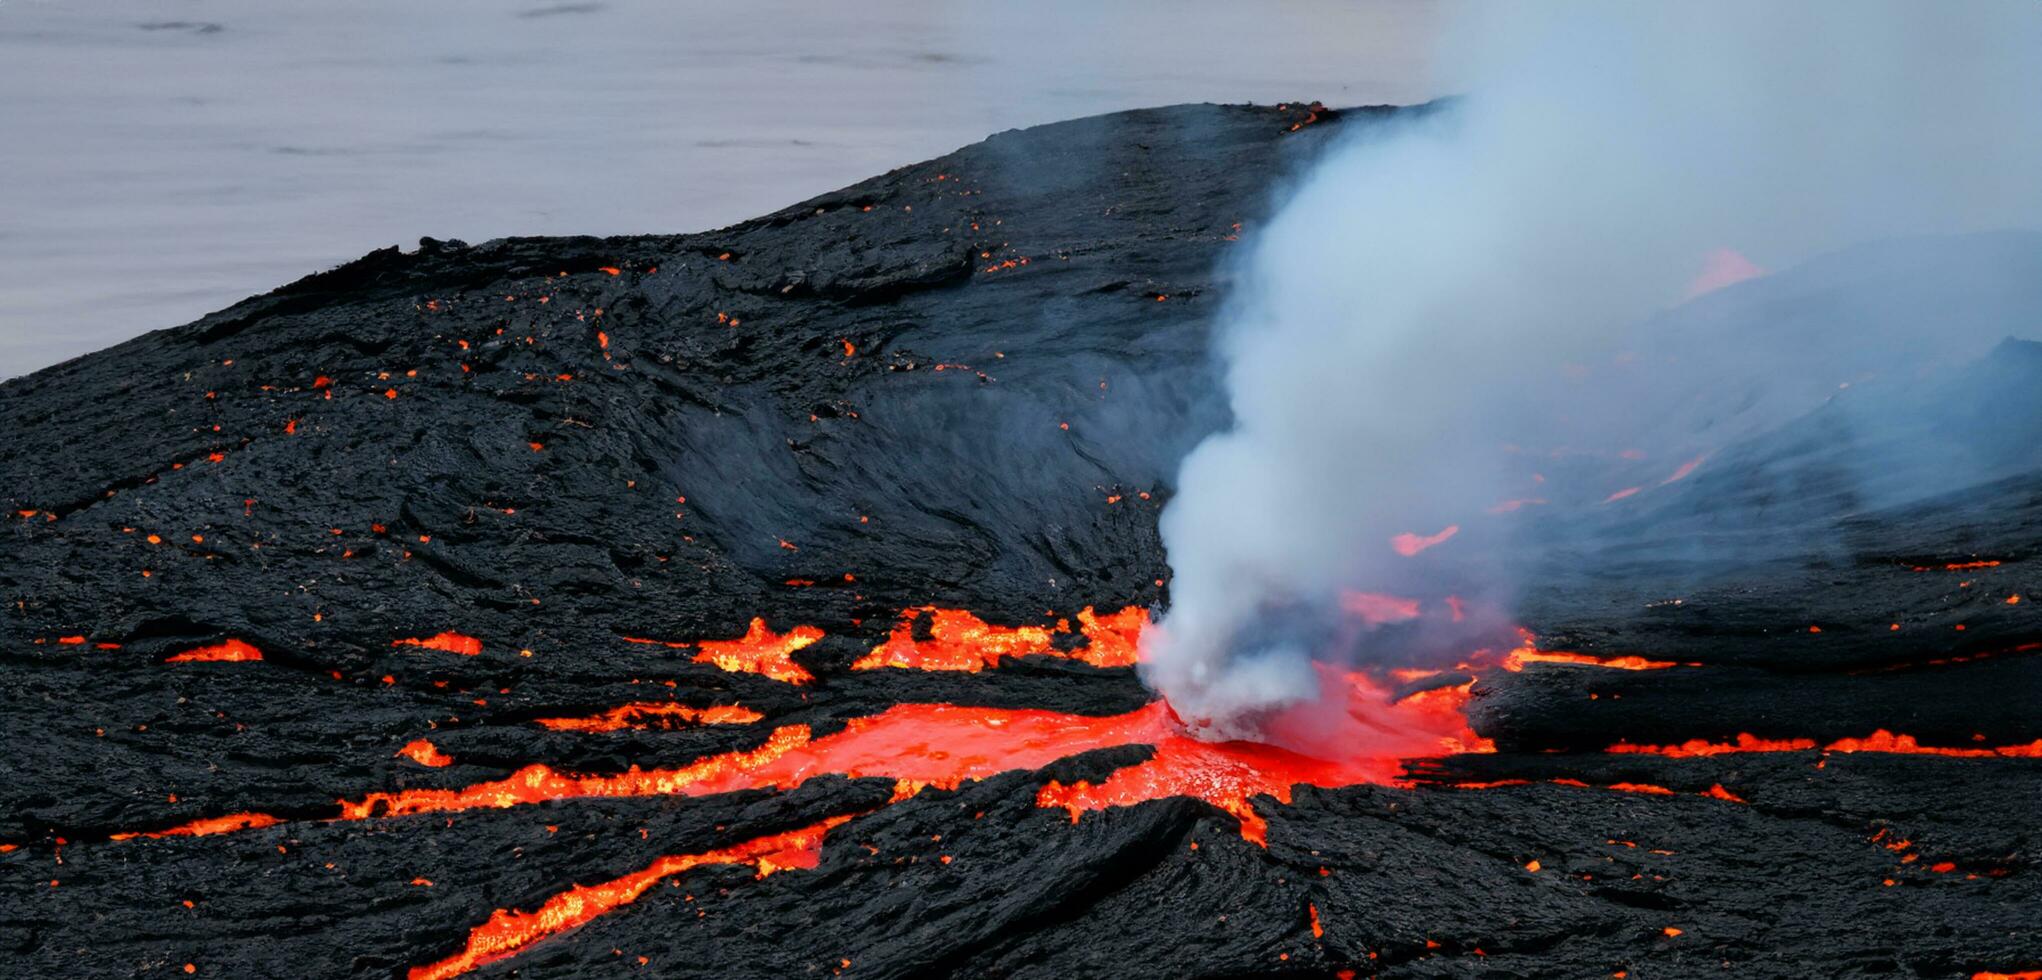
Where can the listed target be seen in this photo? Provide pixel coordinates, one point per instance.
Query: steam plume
(1420, 300)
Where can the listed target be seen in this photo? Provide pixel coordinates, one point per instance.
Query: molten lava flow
(959, 640)
(654, 714)
(1377, 609)
(425, 754)
(229, 651)
(1409, 544)
(466, 646)
(1957, 566)
(761, 651)
(1879, 741)
(1352, 715)
(1526, 654)
(1722, 267)
(508, 931)
(1114, 639)
(1353, 734)
(209, 825)
(1685, 469)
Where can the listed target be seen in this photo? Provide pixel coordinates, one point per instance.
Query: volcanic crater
(765, 602)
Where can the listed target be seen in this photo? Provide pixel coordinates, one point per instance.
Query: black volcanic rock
(964, 383)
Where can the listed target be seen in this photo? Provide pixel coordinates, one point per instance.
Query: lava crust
(762, 603)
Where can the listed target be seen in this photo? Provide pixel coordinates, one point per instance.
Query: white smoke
(1436, 272)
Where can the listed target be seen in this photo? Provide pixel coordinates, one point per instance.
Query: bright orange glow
(654, 714)
(1408, 544)
(1376, 609)
(1114, 639)
(2023, 975)
(210, 825)
(1960, 566)
(466, 646)
(1683, 471)
(1517, 658)
(1879, 741)
(921, 745)
(508, 931)
(959, 640)
(229, 651)
(761, 651)
(425, 754)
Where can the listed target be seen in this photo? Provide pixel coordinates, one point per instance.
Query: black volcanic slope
(965, 384)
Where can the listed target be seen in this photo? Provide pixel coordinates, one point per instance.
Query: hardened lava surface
(762, 603)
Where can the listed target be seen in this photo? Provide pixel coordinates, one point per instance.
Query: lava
(1879, 741)
(508, 930)
(426, 754)
(761, 651)
(653, 714)
(1409, 544)
(959, 640)
(942, 745)
(1517, 658)
(1377, 609)
(466, 646)
(228, 651)
(208, 826)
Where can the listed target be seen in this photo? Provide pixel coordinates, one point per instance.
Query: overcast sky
(165, 158)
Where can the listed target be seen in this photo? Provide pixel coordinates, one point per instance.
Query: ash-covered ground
(420, 522)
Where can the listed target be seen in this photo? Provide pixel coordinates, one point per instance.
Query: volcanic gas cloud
(1452, 317)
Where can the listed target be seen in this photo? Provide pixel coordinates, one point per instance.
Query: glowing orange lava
(210, 825)
(1879, 741)
(1517, 658)
(654, 714)
(1376, 609)
(959, 640)
(508, 930)
(425, 754)
(1409, 544)
(229, 651)
(466, 646)
(761, 651)
(941, 745)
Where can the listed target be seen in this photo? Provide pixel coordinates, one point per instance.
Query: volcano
(765, 602)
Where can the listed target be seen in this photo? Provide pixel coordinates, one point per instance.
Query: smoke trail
(1435, 291)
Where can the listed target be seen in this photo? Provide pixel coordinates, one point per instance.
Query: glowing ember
(1408, 544)
(508, 931)
(230, 651)
(466, 646)
(654, 714)
(761, 651)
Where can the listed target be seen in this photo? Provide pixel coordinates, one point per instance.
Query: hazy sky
(165, 158)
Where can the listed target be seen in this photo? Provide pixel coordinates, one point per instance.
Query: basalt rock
(462, 519)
